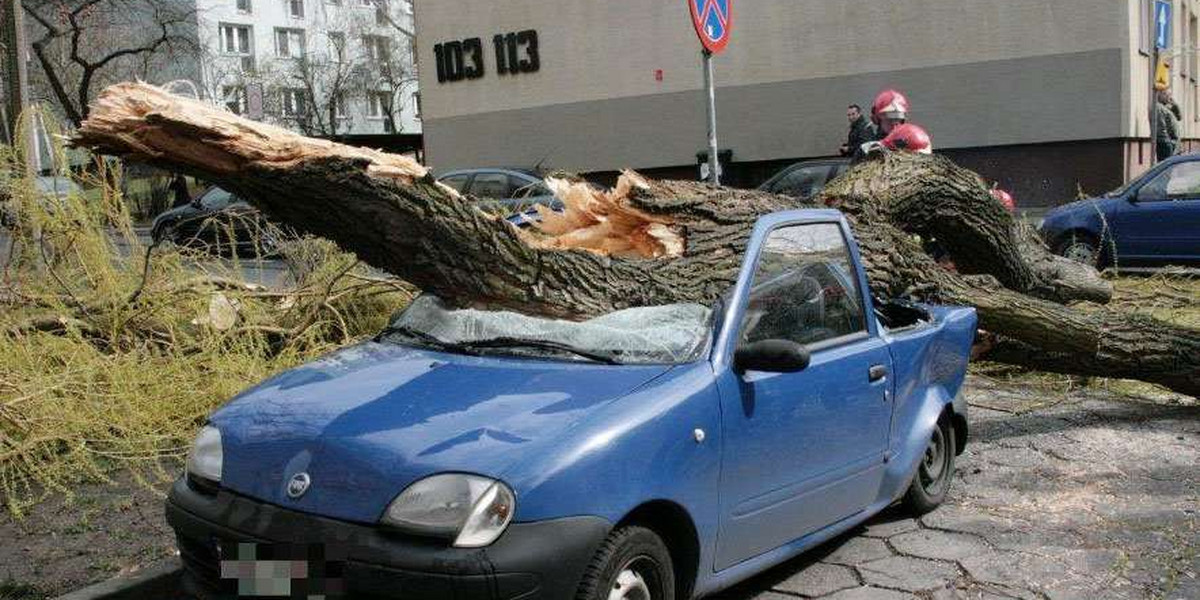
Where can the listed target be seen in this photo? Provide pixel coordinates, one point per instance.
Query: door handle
(876, 372)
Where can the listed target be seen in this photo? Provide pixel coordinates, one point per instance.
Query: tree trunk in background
(648, 242)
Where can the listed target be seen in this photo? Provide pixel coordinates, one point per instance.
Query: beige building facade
(1045, 97)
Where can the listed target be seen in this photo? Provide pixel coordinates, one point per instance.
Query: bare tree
(394, 13)
(355, 56)
(84, 45)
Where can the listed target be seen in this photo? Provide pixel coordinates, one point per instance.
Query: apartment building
(322, 67)
(1046, 98)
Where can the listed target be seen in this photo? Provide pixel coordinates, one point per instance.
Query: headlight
(205, 458)
(471, 510)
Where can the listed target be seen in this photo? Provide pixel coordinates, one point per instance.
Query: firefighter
(889, 110)
(908, 137)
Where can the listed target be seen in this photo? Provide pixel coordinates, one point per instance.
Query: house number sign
(515, 53)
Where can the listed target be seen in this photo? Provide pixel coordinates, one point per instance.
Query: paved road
(1093, 498)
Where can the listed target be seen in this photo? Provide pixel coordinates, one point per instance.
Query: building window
(292, 102)
(295, 8)
(376, 48)
(417, 104)
(381, 15)
(243, 6)
(379, 104)
(337, 45)
(333, 2)
(235, 39)
(289, 43)
(340, 106)
(235, 98)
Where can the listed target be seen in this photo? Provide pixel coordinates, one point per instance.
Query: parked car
(805, 179)
(514, 189)
(654, 453)
(1152, 221)
(219, 221)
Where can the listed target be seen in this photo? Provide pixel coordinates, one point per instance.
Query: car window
(525, 189)
(805, 288)
(491, 185)
(216, 199)
(1184, 180)
(802, 182)
(458, 182)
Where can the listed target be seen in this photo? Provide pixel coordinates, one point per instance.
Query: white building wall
(354, 18)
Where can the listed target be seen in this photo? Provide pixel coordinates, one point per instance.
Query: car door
(803, 450)
(458, 181)
(1162, 225)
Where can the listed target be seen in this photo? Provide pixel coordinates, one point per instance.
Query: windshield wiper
(425, 338)
(509, 342)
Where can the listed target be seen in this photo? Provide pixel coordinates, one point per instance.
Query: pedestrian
(1167, 115)
(179, 188)
(861, 130)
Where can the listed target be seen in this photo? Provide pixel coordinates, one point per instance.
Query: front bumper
(531, 561)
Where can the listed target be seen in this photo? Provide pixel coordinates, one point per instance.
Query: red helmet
(909, 137)
(890, 104)
(1005, 199)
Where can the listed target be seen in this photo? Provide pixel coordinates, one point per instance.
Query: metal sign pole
(1153, 107)
(709, 86)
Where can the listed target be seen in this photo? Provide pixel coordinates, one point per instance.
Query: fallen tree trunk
(649, 242)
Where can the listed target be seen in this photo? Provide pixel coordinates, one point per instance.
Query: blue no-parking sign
(1162, 24)
(713, 20)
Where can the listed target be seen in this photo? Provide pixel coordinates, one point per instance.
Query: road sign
(713, 20)
(1162, 75)
(1162, 24)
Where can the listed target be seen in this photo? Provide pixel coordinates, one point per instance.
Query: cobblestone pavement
(1093, 497)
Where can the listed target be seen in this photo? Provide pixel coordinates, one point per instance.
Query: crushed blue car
(652, 453)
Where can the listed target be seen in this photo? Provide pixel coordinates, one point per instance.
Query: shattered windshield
(673, 333)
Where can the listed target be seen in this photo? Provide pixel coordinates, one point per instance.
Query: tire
(1080, 248)
(631, 564)
(931, 482)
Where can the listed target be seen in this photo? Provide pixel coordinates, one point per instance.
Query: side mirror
(772, 356)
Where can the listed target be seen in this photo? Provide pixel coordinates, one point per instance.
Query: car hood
(366, 421)
(1087, 204)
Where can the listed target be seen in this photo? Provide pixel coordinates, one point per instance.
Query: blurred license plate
(253, 570)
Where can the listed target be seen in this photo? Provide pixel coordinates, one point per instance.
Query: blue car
(1152, 221)
(650, 453)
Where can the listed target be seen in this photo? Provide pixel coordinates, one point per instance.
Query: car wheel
(931, 482)
(632, 564)
(1081, 249)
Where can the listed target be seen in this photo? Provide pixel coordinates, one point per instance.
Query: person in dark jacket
(179, 189)
(1167, 113)
(861, 130)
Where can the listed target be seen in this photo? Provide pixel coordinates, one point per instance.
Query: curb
(159, 581)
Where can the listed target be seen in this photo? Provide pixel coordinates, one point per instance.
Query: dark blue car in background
(1152, 221)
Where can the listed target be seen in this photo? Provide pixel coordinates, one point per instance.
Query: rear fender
(930, 364)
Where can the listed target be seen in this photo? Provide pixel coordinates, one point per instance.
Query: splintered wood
(603, 221)
(146, 122)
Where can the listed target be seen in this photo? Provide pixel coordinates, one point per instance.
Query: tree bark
(654, 242)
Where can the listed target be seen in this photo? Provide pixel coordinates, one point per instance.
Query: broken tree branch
(652, 242)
